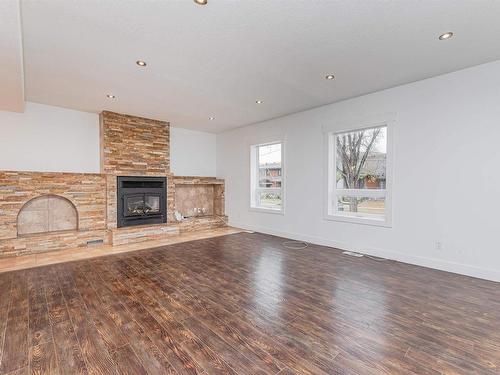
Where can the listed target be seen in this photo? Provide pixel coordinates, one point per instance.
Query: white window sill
(359, 220)
(267, 210)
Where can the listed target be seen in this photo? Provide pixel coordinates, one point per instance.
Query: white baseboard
(439, 264)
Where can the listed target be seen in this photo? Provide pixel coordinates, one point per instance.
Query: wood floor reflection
(243, 304)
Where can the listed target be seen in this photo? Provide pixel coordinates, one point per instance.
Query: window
(267, 177)
(358, 178)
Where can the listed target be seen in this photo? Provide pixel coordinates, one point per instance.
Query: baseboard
(438, 264)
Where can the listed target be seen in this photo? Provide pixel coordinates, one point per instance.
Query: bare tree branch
(353, 150)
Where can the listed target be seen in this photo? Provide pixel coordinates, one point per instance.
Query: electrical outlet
(439, 245)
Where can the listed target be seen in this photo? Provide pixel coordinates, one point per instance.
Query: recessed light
(329, 77)
(110, 96)
(445, 36)
(259, 101)
(211, 118)
(201, 2)
(141, 63)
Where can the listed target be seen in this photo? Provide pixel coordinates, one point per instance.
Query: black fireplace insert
(141, 200)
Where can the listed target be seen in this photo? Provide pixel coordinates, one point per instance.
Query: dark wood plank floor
(243, 304)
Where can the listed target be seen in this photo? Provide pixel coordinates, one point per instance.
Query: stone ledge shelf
(193, 180)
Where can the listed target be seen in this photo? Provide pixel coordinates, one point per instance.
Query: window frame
(331, 190)
(254, 178)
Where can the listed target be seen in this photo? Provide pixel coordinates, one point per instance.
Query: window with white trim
(267, 177)
(358, 178)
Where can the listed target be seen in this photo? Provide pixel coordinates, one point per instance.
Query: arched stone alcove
(47, 213)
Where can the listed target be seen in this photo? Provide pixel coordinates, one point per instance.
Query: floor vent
(95, 242)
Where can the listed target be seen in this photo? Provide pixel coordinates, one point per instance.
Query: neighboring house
(270, 175)
(372, 174)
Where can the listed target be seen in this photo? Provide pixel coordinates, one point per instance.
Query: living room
(278, 187)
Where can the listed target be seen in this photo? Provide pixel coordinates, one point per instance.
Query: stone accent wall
(170, 199)
(111, 205)
(87, 192)
(94, 197)
(134, 145)
(219, 200)
(50, 242)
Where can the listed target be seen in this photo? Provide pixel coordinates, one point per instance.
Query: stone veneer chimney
(134, 145)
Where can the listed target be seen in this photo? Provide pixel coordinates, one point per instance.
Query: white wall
(446, 173)
(46, 138)
(192, 153)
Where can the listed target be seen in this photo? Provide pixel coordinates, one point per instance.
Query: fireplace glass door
(142, 204)
(134, 205)
(152, 204)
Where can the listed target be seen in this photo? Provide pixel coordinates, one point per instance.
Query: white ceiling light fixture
(141, 63)
(110, 96)
(211, 118)
(258, 101)
(446, 36)
(201, 2)
(329, 77)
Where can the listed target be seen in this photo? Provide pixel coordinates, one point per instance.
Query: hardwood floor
(243, 304)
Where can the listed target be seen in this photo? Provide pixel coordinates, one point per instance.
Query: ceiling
(217, 60)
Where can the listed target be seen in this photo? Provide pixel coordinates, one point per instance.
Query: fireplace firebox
(141, 200)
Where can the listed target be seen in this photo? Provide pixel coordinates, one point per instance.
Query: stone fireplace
(132, 199)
